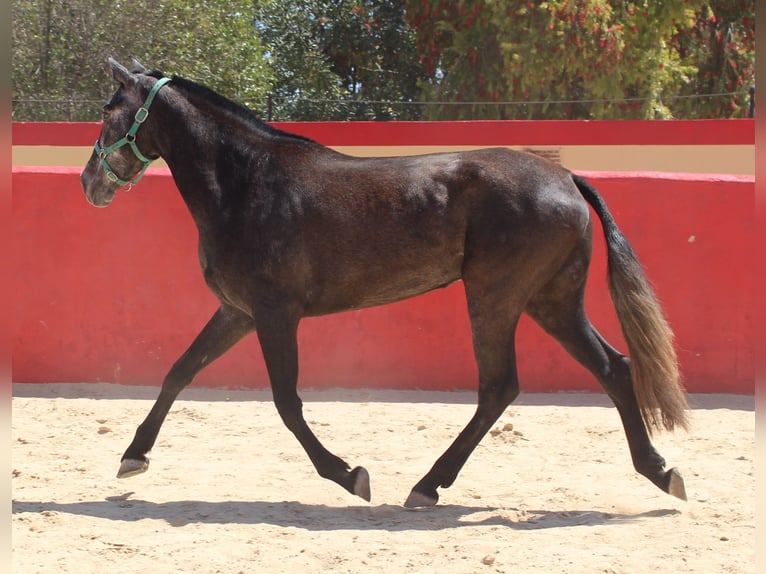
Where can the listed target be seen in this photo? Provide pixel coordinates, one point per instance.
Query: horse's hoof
(131, 467)
(419, 500)
(361, 483)
(676, 484)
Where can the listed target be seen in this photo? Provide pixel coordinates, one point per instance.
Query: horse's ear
(137, 67)
(121, 74)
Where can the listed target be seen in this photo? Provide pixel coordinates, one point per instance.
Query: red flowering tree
(721, 47)
(581, 58)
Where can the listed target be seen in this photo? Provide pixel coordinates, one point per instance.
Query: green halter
(130, 139)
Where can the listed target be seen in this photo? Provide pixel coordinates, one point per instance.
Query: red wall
(468, 133)
(116, 294)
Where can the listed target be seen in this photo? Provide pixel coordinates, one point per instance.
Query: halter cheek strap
(130, 139)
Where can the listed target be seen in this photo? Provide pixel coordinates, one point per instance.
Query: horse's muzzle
(98, 192)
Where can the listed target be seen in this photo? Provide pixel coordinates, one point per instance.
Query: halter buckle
(141, 115)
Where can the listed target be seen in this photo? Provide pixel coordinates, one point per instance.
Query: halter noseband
(130, 139)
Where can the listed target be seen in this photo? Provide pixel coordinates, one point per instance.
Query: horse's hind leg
(225, 328)
(559, 310)
(493, 324)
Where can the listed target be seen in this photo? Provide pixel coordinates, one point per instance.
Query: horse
(289, 228)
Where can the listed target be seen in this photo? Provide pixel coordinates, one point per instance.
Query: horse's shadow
(320, 517)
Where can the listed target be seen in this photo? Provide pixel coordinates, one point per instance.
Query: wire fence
(274, 108)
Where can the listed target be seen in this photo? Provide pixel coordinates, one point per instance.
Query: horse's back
(432, 184)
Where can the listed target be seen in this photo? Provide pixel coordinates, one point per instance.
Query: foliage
(60, 49)
(339, 59)
(300, 69)
(603, 59)
(721, 47)
(355, 59)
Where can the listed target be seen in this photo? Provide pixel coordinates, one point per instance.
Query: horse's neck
(192, 152)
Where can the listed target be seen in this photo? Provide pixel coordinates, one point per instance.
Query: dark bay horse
(289, 228)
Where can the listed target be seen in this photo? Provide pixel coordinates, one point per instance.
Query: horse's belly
(370, 286)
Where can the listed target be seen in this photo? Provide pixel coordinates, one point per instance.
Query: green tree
(211, 42)
(304, 85)
(60, 49)
(340, 59)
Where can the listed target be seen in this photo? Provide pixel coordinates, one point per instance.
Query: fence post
(270, 106)
(751, 111)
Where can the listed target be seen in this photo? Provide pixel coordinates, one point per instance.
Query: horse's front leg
(277, 333)
(225, 328)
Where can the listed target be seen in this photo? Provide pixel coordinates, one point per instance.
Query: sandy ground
(230, 490)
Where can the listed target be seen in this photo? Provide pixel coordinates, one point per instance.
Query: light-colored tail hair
(654, 365)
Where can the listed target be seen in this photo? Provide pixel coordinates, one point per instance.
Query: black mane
(229, 106)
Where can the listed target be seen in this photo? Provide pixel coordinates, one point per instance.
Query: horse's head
(123, 151)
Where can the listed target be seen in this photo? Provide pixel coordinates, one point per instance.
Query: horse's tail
(654, 365)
